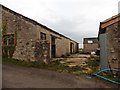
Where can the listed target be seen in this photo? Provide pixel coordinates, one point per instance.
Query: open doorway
(53, 47)
(71, 48)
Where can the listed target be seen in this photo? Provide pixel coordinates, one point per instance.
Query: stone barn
(109, 38)
(26, 39)
(90, 44)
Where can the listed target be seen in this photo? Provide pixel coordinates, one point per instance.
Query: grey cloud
(74, 18)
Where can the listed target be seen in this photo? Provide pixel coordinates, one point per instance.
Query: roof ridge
(34, 21)
(113, 17)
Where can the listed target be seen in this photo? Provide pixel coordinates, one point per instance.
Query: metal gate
(103, 51)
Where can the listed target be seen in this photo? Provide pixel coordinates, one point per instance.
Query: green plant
(4, 29)
(93, 64)
(54, 65)
(7, 51)
(111, 76)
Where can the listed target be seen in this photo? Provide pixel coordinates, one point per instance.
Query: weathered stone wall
(62, 43)
(113, 42)
(76, 47)
(88, 48)
(27, 33)
(41, 51)
(63, 46)
(90, 45)
(119, 44)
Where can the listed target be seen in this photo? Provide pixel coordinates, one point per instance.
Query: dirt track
(23, 77)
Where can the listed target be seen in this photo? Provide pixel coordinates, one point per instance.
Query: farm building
(90, 44)
(109, 38)
(26, 39)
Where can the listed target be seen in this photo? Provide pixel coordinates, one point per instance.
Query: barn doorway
(53, 47)
(71, 48)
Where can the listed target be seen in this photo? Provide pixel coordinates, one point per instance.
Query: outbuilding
(26, 39)
(90, 45)
(109, 38)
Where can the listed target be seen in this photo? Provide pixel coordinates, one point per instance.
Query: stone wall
(88, 48)
(27, 34)
(113, 42)
(62, 43)
(119, 44)
(90, 45)
(41, 51)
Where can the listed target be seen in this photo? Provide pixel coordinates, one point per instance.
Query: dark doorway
(53, 51)
(53, 47)
(71, 48)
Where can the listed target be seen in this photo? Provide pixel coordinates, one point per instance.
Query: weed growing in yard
(54, 65)
(93, 64)
(111, 75)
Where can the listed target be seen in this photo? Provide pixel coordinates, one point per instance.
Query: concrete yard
(75, 59)
(24, 77)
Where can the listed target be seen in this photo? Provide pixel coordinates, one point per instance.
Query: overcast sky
(76, 19)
